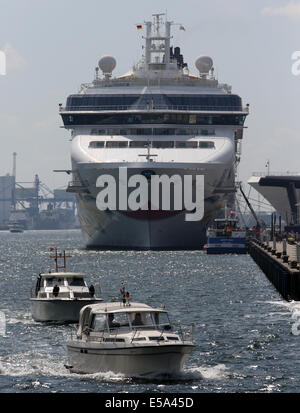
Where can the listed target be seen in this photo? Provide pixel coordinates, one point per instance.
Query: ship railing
(150, 107)
(265, 174)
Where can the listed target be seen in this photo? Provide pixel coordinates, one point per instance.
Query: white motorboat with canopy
(129, 338)
(59, 296)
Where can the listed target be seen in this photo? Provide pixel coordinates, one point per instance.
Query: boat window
(116, 320)
(96, 144)
(52, 281)
(163, 144)
(174, 338)
(183, 144)
(99, 322)
(114, 340)
(206, 145)
(117, 144)
(156, 338)
(138, 144)
(162, 320)
(79, 282)
(139, 339)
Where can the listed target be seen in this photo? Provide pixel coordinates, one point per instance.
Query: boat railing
(150, 107)
(186, 332)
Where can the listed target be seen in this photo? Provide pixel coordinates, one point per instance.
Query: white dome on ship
(204, 64)
(107, 63)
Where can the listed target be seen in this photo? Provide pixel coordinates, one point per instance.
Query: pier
(280, 262)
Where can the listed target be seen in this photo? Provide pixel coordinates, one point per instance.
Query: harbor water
(246, 335)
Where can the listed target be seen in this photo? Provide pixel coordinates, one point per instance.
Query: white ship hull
(131, 360)
(147, 229)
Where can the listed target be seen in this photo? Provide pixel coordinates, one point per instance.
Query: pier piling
(280, 263)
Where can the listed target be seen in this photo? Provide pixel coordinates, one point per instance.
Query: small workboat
(128, 338)
(59, 296)
(16, 227)
(226, 236)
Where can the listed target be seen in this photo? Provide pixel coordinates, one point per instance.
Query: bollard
(284, 247)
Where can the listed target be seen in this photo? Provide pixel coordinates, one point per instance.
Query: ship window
(146, 131)
(138, 144)
(78, 282)
(193, 119)
(96, 144)
(124, 131)
(163, 144)
(139, 339)
(206, 145)
(117, 144)
(183, 132)
(163, 131)
(174, 338)
(206, 132)
(152, 118)
(180, 144)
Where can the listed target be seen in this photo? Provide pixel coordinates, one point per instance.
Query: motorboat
(226, 236)
(59, 296)
(129, 338)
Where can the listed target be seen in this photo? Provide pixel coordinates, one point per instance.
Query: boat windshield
(99, 322)
(76, 282)
(142, 320)
(151, 319)
(52, 281)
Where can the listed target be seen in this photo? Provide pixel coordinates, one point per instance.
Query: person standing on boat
(55, 290)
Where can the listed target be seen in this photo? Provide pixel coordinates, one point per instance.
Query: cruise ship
(282, 191)
(158, 119)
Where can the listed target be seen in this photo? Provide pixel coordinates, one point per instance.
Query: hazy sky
(53, 46)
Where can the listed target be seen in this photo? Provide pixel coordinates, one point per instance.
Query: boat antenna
(59, 256)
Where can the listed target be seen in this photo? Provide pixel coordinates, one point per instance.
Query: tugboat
(59, 296)
(226, 237)
(128, 338)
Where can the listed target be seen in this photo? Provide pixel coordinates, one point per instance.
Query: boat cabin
(117, 322)
(62, 285)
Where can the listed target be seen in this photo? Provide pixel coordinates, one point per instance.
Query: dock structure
(280, 262)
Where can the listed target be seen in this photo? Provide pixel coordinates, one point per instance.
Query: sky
(52, 46)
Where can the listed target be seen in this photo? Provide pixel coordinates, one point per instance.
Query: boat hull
(58, 310)
(226, 246)
(147, 229)
(132, 360)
